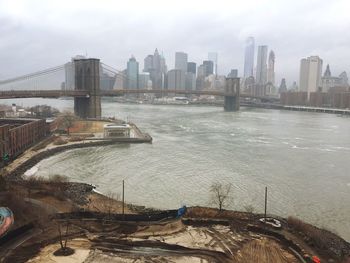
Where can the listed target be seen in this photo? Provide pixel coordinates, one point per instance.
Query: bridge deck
(112, 93)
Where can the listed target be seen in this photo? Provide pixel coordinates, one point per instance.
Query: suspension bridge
(87, 80)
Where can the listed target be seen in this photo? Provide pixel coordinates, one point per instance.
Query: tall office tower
(201, 71)
(283, 86)
(249, 57)
(209, 67)
(132, 73)
(176, 79)
(69, 83)
(148, 63)
(156, 66)
(233, 73)
(344, 78)
(181, 61)
(310, 74)
(191, 67)
(271, 69)
(261, 66)
(190, 81)
(213, 56)
(144, 79)
(163, 66)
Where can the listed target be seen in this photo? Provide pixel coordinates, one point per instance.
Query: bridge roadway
(9, 94)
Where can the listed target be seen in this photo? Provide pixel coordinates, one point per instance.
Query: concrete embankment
(20, 169)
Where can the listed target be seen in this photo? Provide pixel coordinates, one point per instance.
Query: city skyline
(67, 33)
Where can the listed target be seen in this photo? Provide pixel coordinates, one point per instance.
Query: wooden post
(265, 203)
(123, 197)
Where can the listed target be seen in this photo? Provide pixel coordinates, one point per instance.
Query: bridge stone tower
(232, 94)
(87, 78)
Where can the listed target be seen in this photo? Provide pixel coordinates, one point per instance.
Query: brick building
(330, 99)
(17, 135)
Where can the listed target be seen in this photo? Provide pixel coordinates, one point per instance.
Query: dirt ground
(83, 126)
(193, 244)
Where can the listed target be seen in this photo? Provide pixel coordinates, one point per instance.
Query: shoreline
(21, 168)
(336, 111)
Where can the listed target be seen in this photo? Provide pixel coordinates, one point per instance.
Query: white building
(271, 69)
(249, 58)
(310, 74)
(328, 82)
(213, 56)
(176, 79)
(114, 130)
(190, 81)
(261, 66)
(181, 61)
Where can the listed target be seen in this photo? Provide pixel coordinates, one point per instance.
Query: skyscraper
(148, 63)
(249, 57)
(156, 66)
(233, 73)
(209, 67)
(310, 74)
(213, 56)
(191, 67)
(261, 66)
(176, 79)
(132, 73)
(181, 61)
(271, 69)
(283, 86)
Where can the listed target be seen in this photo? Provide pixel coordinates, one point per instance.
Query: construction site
(60, 221)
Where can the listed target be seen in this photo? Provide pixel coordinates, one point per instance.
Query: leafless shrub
(66, 121)
(220, 195)
(249, 208)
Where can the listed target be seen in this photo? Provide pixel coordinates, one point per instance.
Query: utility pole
(123, 197)
(265, 204)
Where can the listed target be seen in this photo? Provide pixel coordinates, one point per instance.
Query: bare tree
(66, 120)
(220, 194)
(64, 250)
(249, 208)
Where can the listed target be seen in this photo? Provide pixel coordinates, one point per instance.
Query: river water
(303, 159)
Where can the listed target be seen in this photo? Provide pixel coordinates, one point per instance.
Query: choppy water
(303, 158)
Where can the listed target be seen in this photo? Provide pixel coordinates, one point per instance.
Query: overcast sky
(38, 34)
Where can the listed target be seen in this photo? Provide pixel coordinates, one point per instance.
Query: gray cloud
(40, 34)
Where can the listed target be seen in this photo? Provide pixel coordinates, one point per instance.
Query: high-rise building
(181, 61)
(271, 69)
(190, 81)
(213, 56)
(233, 73)
(344, 78)
(209, 67)
(191, 67)
(144, 80)
(283, 86)
(310, 74)
(176, 79)
(132, 73)
(329, 82)
(249, 57)
(148, 63)
(156, 66)
(261, 66)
